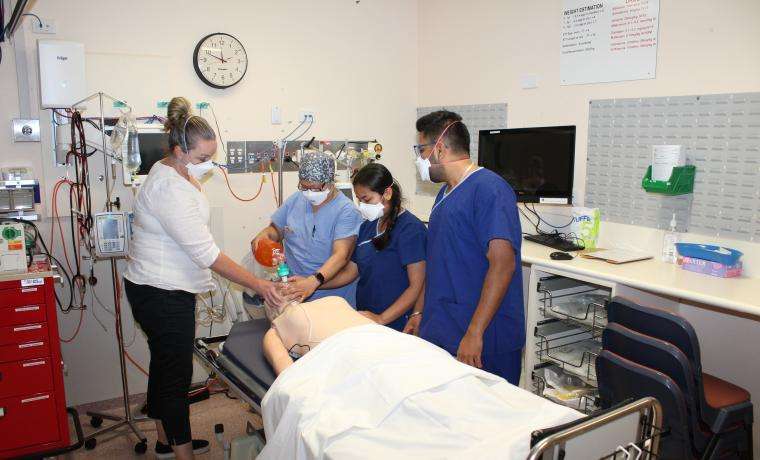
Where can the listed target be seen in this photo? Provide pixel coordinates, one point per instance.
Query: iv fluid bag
(132, 159)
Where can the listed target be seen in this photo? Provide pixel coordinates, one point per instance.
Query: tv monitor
(537, 162)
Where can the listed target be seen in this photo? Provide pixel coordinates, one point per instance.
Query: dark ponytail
(377, 178)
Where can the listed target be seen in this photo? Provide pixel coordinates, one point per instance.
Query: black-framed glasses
(320, 188)
(418, 148)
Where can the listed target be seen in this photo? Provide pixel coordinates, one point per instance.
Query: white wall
(354, 65)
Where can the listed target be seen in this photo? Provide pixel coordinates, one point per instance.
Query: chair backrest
(620, 379)
(659, 324)
(660, 356)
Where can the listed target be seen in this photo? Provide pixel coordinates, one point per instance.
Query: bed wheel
(95, 422)
(141, 447)
(90, 443)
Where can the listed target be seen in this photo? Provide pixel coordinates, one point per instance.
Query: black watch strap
(320, 277)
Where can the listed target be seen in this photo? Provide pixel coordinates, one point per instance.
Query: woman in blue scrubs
(390, 252)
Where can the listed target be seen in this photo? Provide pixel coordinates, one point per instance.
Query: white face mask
(199, 170)
(371, 211)
(316, 198)
(423, 167)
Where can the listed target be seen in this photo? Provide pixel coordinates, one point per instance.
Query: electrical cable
(218, 130)
(227, 180)
(34, 16)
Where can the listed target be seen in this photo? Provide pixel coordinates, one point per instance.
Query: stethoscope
(377, 231)
(465, 176)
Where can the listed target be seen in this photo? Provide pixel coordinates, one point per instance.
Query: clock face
(220, 60)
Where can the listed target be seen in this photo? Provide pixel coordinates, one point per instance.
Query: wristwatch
(320, 277)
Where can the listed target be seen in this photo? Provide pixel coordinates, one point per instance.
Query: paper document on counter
(617, 256)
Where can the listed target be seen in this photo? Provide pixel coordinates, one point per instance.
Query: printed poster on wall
(608, 40)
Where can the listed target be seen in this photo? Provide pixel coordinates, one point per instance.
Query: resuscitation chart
(608, 40)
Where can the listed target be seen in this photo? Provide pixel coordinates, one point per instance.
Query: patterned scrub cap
(317, 167)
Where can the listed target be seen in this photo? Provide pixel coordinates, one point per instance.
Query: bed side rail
(647, 435)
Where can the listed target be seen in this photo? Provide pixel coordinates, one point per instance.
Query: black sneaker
(200, 446)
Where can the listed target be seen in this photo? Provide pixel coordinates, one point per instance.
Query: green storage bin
(681, 181)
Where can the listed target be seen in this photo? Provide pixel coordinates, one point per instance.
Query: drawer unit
(24, 377)
(24, 314)
(33, 417)
(567, 321)
(26, 420)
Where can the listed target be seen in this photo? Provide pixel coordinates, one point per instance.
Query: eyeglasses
(418, 148)
(319, 188)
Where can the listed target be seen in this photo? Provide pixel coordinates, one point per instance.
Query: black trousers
(168, 320)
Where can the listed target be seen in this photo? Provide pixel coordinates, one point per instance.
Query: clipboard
(615, 256)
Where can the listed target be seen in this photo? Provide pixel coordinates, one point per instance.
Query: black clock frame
(198, 69)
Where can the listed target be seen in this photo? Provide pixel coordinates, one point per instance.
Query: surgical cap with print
(317, 167)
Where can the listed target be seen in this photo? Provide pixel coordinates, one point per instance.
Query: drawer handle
(36, 398)
(24, 309)
(31, 344)
(35, 363)
(29, 290)
(2, 412)
(27, 328)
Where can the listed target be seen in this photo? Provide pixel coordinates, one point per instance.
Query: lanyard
(446, 195)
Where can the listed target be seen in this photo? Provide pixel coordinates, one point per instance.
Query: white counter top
(26, 275)
(737, 294)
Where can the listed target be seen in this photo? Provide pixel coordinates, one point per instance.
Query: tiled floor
(203, 416)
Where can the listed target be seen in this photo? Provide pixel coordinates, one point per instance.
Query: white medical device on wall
(62, 73)
(111, 234)
(12, 247)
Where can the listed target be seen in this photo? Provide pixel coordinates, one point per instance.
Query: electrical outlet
(276, 115)
(305, 114)
(43, 26)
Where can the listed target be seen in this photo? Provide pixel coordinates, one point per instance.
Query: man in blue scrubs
(318, 226)
(473, 299)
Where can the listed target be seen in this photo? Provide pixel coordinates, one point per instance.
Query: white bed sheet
(371, 392)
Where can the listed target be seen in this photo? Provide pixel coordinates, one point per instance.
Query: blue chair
(620, 379)
(722, 405)
(666, 358)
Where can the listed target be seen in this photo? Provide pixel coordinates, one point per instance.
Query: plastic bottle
(669, 241)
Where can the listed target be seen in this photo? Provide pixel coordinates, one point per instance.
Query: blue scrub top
(309, 237)
(479, 209)
(382, 274)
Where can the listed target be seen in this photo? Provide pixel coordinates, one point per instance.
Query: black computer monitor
(153, 147)
(537, 162)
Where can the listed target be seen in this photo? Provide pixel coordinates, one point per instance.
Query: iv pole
(128, 419)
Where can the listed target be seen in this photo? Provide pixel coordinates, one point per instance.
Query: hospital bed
(629, 431)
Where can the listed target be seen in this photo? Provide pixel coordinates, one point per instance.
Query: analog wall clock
(220, 60)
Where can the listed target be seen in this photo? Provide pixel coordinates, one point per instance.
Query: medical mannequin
(303, 326)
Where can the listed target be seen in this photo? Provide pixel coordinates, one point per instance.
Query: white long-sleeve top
(172, 246)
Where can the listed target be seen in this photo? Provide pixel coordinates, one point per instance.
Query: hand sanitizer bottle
(669, 241)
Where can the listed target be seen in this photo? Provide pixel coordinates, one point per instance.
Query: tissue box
(710, 268)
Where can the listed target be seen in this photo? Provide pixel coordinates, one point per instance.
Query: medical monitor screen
(153, 147)
(536, 162)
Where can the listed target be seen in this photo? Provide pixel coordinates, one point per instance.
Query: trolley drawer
(28, 420)
(22, 296)
(21, 333)
(24, 351)
(23, 314)
(24, 377)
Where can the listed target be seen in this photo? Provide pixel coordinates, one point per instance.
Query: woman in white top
(171, 258)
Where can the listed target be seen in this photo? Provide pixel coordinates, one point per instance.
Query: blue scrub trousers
(506, 365)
